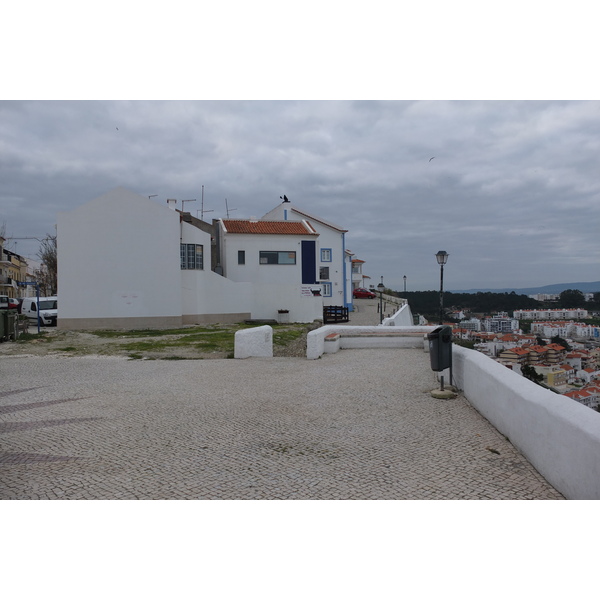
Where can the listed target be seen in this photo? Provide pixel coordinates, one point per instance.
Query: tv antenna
(202, 211)
(227, 209)
(183, 203)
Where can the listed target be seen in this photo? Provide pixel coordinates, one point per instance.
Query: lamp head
(442, 257)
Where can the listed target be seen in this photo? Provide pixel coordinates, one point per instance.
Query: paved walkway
(366, 311)
(358, 424)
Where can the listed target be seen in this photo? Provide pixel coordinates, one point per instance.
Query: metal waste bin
(12, 325)
(440, 348)
(8, 325)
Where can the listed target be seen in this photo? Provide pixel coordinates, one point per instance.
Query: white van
(48, 309)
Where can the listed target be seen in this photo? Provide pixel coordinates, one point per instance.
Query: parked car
(13, 303)
(363, 293)
(48, 309)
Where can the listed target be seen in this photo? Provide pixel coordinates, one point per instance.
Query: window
(327, 289)
(268, 257)
(192, 256)
(241, 257)
(323, 273)
(325, 254)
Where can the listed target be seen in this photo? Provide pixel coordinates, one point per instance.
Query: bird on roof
(284, 198)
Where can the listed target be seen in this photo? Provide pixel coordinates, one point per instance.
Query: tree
(560, 341)
(531, 374)
(46, 276)
(572, 299)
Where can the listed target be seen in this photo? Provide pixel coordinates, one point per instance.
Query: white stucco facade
(118, 260)
(120, 266)
(332, 258)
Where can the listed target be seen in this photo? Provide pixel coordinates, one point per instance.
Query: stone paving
(358, 424)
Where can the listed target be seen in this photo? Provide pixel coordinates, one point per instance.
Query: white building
(331, 259)
(551, 314)
(500, 323)
(472, 324)
(126, 262)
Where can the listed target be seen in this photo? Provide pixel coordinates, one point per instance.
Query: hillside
(555, 288)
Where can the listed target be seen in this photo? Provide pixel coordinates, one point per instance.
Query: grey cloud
(512, 194)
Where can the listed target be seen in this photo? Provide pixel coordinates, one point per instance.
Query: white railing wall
(557, 435)
(402, 318)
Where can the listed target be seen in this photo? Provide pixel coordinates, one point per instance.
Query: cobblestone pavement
(358, 424)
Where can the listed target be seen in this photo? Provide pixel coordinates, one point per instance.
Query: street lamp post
(442, 258)
(381, 287)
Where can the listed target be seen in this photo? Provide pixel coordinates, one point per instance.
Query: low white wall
(559, 436)
(402, 318)
(268, 298)
(257, 341)
(366, 337)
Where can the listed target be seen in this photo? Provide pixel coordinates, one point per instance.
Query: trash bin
(440, 348)
(12, 329)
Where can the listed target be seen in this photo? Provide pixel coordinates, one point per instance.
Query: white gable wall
(118, 259)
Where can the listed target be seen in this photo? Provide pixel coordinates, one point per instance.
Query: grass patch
(29, 337)
(139, 333)
(283, 338)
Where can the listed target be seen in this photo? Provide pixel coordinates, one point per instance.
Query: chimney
(171, 203)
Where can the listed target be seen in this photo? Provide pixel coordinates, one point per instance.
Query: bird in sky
(431, 158)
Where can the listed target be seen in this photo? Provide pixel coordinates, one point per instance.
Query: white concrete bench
(257, 341)
(331, 338)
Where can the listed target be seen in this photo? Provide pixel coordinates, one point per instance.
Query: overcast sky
(511, 190)
(513, 193)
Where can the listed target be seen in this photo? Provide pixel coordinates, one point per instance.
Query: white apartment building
(472, 324)
(501, 323)
(551, 314)
(565, 329)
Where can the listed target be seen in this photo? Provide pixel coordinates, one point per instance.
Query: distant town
(556, 347)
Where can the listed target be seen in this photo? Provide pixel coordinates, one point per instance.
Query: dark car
(363, 293)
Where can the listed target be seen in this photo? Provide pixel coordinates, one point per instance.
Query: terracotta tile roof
(269, 227)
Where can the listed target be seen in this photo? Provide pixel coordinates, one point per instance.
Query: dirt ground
(58, 343)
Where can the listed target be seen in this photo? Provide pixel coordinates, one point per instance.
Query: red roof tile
(269, 227)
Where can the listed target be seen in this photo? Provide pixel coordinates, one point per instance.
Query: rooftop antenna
(202, 211)
(183, 203)
(227, 209)
(152, 196)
